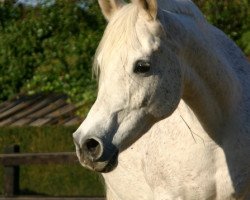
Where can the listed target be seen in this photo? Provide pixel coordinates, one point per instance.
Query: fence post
(11, 174)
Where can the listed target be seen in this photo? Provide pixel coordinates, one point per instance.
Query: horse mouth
(101, 166)
(111, 164)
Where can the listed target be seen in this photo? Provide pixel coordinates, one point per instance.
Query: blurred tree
(49, 48)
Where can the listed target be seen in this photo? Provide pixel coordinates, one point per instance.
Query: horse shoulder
(195, 167)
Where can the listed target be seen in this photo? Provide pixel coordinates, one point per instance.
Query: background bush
(49, 48)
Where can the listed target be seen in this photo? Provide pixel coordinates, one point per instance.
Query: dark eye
(141, 66)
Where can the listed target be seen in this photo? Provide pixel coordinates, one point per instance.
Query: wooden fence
(38, 110)
(12, 159)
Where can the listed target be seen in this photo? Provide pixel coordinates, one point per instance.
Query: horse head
(140, 83)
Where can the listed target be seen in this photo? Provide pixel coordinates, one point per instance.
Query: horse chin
(102, 166)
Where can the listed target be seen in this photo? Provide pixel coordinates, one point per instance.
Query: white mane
(118, 30)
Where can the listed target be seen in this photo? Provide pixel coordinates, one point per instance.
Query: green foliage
(49, 49)
(15, 64)
(245, 41)
(53, 180)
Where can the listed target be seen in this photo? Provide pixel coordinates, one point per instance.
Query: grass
(51, 180)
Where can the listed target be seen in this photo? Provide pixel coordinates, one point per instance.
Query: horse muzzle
(96, 156)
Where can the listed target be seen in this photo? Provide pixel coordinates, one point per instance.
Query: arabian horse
(172, 116)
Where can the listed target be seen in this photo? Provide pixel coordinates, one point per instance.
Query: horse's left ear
(109, 7)
(150, 6)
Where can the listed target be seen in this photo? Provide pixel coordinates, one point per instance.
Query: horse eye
(141, 66)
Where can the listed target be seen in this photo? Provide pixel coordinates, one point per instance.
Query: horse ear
(150, 6)
(109, 7)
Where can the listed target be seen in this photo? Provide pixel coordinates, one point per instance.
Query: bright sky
(35, 2)
(47, 3)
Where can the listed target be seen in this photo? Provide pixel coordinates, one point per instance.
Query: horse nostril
(92, 145)
(93, 148)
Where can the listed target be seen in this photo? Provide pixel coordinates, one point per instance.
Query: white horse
(172, 116)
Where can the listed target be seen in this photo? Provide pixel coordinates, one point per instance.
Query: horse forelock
(120, 35)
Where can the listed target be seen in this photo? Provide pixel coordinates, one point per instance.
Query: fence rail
(12, 159)
(38, 158)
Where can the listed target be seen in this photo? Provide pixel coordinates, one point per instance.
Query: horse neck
(211, 86)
